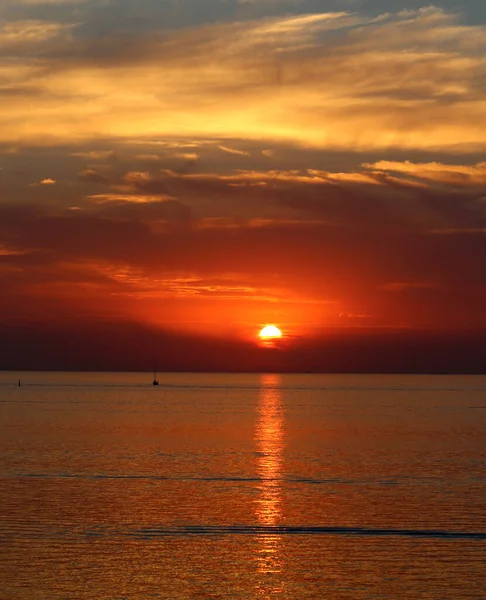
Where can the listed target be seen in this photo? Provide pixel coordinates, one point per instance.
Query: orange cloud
(191, 156)
(454, 175)
(234, 151)
(135, 198)
(408, 80)
(47, 181)
(95, 154)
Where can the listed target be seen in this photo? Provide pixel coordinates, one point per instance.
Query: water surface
(242, 486)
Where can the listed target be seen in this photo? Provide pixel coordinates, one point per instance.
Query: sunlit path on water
(269, 443)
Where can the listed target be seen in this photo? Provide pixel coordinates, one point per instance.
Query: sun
(270, 332)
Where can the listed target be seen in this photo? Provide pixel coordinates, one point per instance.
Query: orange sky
(313, 165)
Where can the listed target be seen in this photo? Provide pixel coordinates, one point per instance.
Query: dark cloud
(120, 345)
(338, 199)
(172, 211)
(93, 176)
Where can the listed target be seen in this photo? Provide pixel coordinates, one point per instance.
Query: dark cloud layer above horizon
(123, 346)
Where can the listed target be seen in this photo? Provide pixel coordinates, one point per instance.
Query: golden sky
(209, 167)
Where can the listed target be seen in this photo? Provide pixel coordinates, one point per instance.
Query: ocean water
(242, 486)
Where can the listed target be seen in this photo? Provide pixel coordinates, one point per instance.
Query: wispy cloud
(452, 175)
(234, 151)
(136, 199)
(95, 154)
(410, 80)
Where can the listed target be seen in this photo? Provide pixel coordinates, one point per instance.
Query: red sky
(171, 180)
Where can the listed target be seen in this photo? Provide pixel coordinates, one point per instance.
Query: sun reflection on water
(268, 507)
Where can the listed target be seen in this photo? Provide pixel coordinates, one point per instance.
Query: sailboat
(155, 381)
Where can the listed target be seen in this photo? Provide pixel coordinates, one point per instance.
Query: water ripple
(40, 532)
(301, 530)
(231, 478)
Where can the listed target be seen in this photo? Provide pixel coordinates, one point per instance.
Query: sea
(242, 486)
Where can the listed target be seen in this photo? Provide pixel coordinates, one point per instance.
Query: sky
(176, 174)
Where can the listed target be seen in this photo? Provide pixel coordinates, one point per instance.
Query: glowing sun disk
(270, 331)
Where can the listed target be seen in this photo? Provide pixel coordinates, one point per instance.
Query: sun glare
(270, 332)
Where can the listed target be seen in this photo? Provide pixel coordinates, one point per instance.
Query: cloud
(125, 198)
(137, 283)
(189, 156)
(47, 181)
(93, 176)
(234, 151)
(347, 266)
(366, 199)
(462, 176)
(95, 154)
(6, 251)
(150, 210)
(410, 80)
(22, 36)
